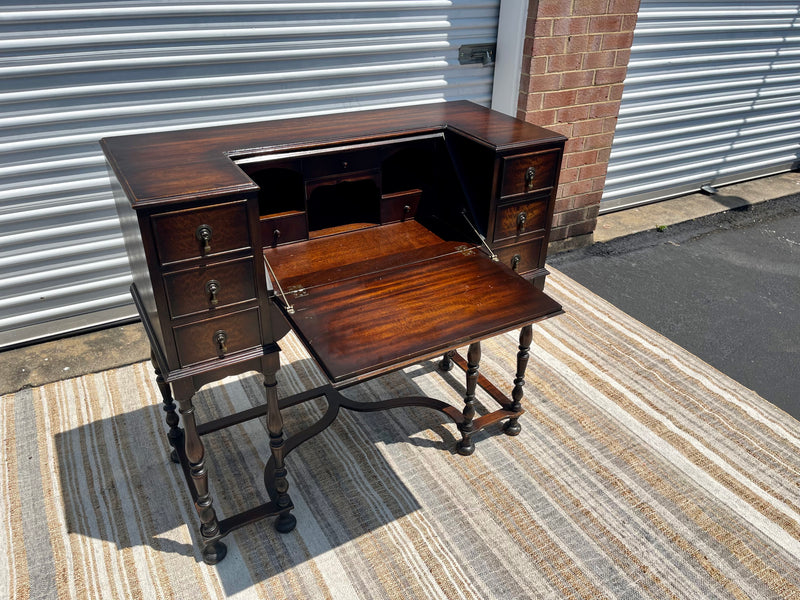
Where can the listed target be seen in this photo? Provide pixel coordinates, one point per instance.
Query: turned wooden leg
(286, 521)
(447, 364)
(213, 550)
(512, 426)
(466, 446)
(175, 433)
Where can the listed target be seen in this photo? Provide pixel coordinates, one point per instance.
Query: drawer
(284, 228)
(217, 337)
(214, 286)
(201, 232)
(521, 257)
(526, 173)
(340, 163)
(519, 219)
(399, 206)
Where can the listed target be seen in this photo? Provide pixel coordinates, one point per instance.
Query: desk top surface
(174, 166)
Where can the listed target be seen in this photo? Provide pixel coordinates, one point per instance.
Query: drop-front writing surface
(381, 238)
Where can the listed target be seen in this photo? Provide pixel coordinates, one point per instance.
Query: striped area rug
(640, 472)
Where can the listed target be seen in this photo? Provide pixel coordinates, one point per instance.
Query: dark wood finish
(412, 311)
(205, 287)
(342, 165)
(175, 433)
(519, 219)
(522, 258)
(329, 259)
(176, 166)
(498, 396)
(465, 445)
(399, 206)
(199, 341)
(284, 228)
(176, 233)
(370, 234)
(529, 173)
(447, 363)
(194, 456)
(512, 426)
(279, 483)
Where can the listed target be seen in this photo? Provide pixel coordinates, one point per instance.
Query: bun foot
(465, 448)
(215, 552)
(512, 427)
(447, 364)
(285, 523)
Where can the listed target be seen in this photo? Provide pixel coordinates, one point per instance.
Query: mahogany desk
(382, 238)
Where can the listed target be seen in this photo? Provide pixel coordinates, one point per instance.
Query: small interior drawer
(521, 257)
(200, 232)
(283, 228)
(217, 337)
(519, 219)
(209, 287)
(340, 163)
(399, 206)
(527, 173)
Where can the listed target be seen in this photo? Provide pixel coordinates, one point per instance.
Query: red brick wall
(575, 58)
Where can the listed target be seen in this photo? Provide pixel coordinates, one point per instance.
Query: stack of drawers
(206, 261)
(525, 191)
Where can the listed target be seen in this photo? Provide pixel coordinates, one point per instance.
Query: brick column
(575, 59)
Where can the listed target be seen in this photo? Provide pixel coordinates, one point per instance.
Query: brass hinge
(297, 290)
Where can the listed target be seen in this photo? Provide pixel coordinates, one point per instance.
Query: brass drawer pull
(220, 339)
(515, 261)
(521, 220)
(212, 289)
(530, 174)
(203, 234)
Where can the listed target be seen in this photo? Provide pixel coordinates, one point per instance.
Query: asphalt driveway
(726, 287)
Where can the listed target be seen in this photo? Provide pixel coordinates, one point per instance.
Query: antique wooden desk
(382, 238)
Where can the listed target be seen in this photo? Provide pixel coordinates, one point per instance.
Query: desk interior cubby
(320, 192)
(343, 202)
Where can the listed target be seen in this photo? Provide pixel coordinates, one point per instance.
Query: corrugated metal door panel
(710, 98)
(70, 75)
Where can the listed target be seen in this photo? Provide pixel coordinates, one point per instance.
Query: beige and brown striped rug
(640, 472)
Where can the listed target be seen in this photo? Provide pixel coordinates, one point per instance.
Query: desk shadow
(119, 486)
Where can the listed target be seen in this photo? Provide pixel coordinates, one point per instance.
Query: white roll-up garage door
(711, 97)
(73, 73)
